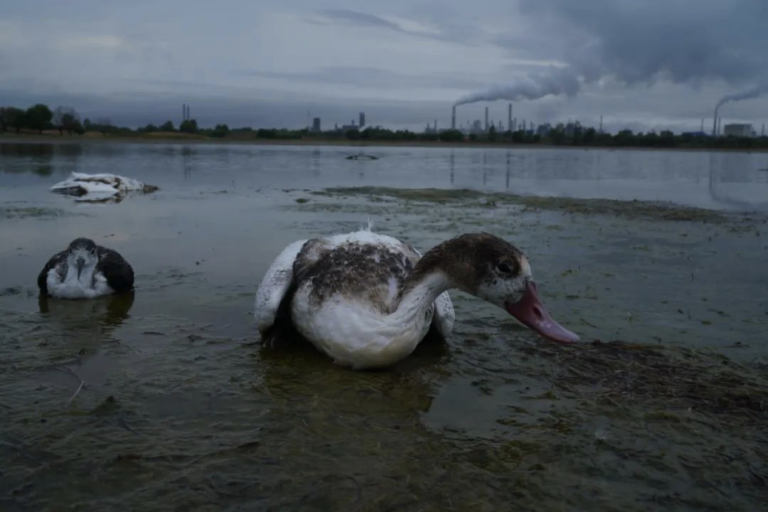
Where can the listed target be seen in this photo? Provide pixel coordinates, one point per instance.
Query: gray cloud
(686, 42)
(359, 18)
(439, 24)
(642, 42)
(368, 77)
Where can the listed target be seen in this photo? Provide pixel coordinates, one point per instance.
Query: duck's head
(496, 271)
(82, 254)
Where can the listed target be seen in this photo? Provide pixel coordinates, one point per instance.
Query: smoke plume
(554, 81)
(635, 42)
(749, 94)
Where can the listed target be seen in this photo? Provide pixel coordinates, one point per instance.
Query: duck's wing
(274, 286)
(444, 314)
(117, 271)
(42, 278)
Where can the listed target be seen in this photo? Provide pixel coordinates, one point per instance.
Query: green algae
(631, 209)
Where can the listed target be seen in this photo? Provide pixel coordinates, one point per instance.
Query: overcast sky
(640, 63)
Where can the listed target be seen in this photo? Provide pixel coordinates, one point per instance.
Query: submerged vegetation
(11, 212)
(633, 209)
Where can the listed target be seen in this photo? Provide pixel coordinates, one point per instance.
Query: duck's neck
(419, 295)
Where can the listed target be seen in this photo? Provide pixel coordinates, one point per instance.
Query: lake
(167, 399)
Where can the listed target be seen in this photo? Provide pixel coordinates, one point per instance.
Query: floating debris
(100, 188)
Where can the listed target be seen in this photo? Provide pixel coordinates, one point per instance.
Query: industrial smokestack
(453, 118)
(486, 119)
(719, 126)
(601, 124)
(509, 118)
(762, 133)
(749, 94)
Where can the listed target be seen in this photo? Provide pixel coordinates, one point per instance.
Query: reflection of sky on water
(719, 180)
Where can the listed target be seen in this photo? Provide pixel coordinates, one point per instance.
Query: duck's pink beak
(530, 311)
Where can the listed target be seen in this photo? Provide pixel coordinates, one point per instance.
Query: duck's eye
(504, 268)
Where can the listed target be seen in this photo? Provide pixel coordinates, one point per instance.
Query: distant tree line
(39, 118)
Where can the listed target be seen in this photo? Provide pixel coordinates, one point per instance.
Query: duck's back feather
(363, 267)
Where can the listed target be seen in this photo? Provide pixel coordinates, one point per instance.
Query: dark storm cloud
(632, 42)
(639, 41)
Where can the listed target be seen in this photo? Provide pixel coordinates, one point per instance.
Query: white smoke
(555, 81)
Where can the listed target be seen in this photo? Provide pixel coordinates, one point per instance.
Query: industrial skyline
(469, 125)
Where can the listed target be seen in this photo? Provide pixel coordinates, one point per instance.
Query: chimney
(453, 118)
(601, 124)
(486, 119)
(719, 126)
(762, 133)
(714, 122)
(509, 118)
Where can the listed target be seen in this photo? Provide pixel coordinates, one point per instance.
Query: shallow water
(166, 399)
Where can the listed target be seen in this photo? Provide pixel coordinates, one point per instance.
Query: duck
(100, 187)
(85, 270)
(367, 300)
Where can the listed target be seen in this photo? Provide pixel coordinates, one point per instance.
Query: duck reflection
(292, 365)
(103, 314)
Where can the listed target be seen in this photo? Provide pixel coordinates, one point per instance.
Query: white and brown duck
(367, 300)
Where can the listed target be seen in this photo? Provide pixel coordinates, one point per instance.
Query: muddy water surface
(166, 398)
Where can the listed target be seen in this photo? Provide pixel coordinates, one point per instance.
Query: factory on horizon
(353, 125)
(486, 125)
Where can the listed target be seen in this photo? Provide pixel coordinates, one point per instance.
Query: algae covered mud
(166, 399)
